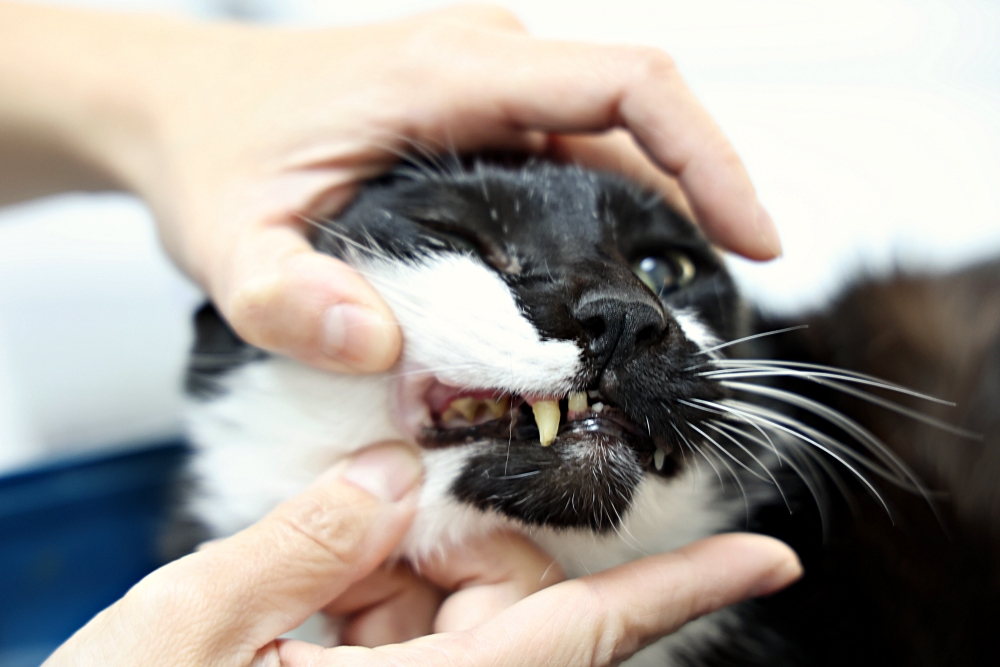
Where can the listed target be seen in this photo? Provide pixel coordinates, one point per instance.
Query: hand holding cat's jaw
(597, 620)
(234, 134)
(223, 603)
(282, 296)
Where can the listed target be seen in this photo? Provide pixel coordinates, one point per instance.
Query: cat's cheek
(270, 429)
(443, 520)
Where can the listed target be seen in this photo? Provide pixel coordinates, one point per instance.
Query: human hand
(227, 604)
(236, 134)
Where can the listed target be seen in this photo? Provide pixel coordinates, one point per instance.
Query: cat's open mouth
(579, 418)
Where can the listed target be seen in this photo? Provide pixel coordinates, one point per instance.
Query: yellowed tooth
(547, 419)
(577, 401)
(466, 406)
(497, 407)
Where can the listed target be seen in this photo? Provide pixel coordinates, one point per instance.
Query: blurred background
(871, 129)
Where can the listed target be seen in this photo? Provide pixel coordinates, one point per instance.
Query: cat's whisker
(628, 538)
(714, 426)
(834, 381)
(738, 414)
(774, 419)
(721, 346)
(428, 161)
(832, 372)
(694, 449)
(903, 410)
(815, 466)
(743, 465)
(732, 472)
(789, 458)
(354, 249)
(754, 411)
(860, 434)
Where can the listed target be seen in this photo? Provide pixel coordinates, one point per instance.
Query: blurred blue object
(74, 536)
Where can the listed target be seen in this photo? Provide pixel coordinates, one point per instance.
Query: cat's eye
(451, 235)
(665, 273)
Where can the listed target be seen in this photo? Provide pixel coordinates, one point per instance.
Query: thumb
(267, 579)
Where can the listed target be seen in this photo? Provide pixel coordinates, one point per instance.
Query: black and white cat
(569, 371)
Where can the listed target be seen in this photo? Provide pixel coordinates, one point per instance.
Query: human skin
(227, 604)
(237, 136)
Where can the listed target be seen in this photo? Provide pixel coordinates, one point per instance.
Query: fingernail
(356, 335)
(784, 574)
(767, 233)
(388, 472)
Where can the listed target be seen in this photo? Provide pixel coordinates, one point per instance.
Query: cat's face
(553, 320)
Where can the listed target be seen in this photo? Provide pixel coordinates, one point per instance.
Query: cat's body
(541, 298)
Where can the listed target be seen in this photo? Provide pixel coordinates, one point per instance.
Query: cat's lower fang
(659, 456)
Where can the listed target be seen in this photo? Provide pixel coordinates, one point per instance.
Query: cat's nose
(615, 326)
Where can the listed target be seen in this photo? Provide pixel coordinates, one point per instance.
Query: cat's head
(555, 324)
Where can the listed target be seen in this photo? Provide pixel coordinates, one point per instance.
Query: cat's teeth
(547, 419)
(467, 407)
(497, 407)
(577, 402)
(597, 407)
(658, 458)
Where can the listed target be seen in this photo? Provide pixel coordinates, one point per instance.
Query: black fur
(918, 584)
(217, 350)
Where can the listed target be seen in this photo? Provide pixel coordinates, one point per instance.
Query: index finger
(563, 87)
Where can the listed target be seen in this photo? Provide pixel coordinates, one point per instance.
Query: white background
(870, 127)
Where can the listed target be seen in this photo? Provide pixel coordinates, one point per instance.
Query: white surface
(96, 327)
(871, 128)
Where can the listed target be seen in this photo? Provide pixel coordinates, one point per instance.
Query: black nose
(615, 327)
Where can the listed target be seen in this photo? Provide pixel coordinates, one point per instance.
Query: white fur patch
(664, 515)
(694, 329)
(278, 425)
(460, 320)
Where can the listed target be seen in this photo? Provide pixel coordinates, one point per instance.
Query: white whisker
(754, 336)
(774, 419)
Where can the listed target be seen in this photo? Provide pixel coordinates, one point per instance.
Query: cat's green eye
(665, 273)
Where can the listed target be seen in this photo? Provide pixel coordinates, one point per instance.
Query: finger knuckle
(611, 639)
(174, 599)
(249, 308)
(336, 528)
(651, 64)
(499, 17)
(482, 15)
